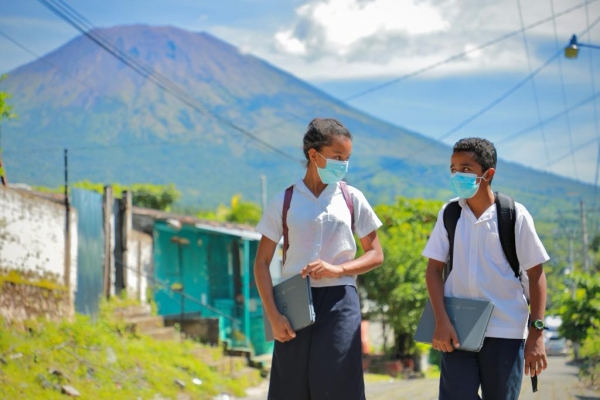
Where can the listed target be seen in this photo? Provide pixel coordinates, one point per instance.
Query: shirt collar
(329, 190)
(487, 214)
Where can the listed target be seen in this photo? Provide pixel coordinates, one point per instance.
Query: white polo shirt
(481, 271)
(319, 228)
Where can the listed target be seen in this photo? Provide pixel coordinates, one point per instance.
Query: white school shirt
(481, 271)
(319, 228)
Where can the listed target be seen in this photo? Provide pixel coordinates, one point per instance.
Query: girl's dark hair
(321, 132)
(483, 151)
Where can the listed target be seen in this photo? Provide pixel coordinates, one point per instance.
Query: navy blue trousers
(497, 368)
(324, 360)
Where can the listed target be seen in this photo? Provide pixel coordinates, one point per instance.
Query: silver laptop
(470, 319)
(294, 300)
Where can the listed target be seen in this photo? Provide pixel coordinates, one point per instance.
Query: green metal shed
(206, 271)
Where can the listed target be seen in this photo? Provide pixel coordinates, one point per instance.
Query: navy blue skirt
(324, 360)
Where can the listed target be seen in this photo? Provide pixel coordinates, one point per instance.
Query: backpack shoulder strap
(349, 202)
(505, 207)
(287, 200)
(451, 216)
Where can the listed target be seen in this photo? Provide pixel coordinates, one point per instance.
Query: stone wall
(34, 254)
(22, 300)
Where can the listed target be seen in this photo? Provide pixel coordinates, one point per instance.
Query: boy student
(480, 270)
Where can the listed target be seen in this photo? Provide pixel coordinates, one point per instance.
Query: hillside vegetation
(42, 360)
(247, 120)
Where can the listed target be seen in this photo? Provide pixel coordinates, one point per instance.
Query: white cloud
(337, 26)
(290, 43)
(355, 39)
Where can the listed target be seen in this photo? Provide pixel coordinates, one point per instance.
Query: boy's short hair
(483, 151)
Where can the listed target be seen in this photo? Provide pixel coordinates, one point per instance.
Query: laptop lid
(294, 300)
(469, 317)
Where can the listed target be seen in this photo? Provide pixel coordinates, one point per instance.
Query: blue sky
(347, 47)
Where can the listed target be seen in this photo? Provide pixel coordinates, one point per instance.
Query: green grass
(374, 378)
(102, 361)
(433, 372)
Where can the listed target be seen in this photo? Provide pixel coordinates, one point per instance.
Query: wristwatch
(538, 324)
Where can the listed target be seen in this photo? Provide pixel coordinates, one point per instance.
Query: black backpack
(505, 207)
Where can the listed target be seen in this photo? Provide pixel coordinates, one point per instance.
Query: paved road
(558, 382)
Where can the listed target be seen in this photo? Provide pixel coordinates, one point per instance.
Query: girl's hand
(282, 330)
(321, 269)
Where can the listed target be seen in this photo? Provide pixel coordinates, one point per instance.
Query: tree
(239, 212)
(5, 109)
(398, 286)
(581, 307)
(158, 197)
(244, 212)
(5, 113)
(590, 349)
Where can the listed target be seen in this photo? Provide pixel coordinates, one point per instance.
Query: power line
(464, 53)
(150, 73)
(575, 150)
(493, 104)
(563, 91)
(549, 119)
(594, 207)
(473, 117)
(42, 59)
(68, 14)
(83, 83)
(533, 85)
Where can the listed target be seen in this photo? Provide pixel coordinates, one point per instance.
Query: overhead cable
(563, 90)
(472, 117)
(491, 105)
(533, 85)
(549, 119)
(68, 14)
(575, 150)
(593, 84)
(464, 53)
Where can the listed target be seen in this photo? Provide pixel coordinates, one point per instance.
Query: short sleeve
(271, 222)
(366, 221)
(530, 250)
(438, 245)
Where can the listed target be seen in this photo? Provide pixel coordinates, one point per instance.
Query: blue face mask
(334, 170)
(464, 185)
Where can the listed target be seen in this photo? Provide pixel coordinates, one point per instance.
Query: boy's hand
(535, 354)
(444, 337)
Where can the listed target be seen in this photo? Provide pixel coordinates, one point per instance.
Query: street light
(572, 50)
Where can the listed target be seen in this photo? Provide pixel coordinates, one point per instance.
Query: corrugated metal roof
(240, 230)
(245, 234)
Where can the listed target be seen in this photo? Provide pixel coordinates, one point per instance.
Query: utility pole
(263, 191)
(3, 180)
(586, 259)
(67, 224)
(571, 264)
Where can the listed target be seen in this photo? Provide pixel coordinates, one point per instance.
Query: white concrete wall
(377, 336)
(139, 265)
(32, 235)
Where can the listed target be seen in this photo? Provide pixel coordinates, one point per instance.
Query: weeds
(101, 360)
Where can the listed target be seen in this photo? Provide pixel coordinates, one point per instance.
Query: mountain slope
(120, 127)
